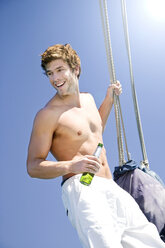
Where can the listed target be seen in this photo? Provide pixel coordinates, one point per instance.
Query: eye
(49, 73)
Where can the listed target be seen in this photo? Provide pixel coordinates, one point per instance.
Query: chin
(63, 94)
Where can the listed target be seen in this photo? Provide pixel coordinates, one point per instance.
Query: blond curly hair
(64, 52)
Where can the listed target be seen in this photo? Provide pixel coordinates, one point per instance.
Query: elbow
(31, 174)
(31, 170)
(34, 168)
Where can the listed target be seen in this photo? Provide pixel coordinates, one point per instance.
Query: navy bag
(147, 189)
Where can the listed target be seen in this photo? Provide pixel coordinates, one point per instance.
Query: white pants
(106, 216)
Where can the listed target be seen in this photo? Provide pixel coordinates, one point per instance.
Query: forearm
(45, 169)
(105, 110)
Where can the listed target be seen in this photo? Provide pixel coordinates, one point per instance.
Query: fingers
(116, 87)
(92, 164)
(92, 157)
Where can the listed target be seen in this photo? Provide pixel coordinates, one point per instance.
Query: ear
(77, 70)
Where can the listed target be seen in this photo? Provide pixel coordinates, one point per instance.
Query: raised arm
(107, 103)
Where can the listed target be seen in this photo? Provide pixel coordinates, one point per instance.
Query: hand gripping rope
(111, 68)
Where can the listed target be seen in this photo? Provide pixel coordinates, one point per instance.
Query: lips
(59, 84)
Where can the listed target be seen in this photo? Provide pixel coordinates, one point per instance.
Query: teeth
(58, 85)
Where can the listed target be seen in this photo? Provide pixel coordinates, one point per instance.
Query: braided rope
(136, 108)
(118, 113)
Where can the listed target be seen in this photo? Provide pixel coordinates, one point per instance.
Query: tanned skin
(70, 126)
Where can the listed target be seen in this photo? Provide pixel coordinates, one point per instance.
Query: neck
(70, 100)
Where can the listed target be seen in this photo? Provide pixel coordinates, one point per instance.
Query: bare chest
(78, 123)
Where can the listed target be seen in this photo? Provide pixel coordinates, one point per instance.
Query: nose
(55, 77)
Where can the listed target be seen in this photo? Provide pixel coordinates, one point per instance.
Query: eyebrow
(57, 68)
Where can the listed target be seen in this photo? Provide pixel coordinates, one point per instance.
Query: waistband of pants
(70, 179)
(95, 180)
(64, 180)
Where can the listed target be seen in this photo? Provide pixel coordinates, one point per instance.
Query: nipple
(79, 133)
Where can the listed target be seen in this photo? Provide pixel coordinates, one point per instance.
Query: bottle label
(86, 177)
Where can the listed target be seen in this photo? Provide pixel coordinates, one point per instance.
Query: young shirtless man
(70, 127)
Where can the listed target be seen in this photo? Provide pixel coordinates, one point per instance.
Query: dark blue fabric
(162, 234)
(121, 170)
(146, 189)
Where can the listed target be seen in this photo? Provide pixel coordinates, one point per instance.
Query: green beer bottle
(87, 177)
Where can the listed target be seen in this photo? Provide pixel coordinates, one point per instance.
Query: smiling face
(62, 78)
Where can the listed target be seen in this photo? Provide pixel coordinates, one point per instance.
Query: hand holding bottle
(88, 163)
(87, 177)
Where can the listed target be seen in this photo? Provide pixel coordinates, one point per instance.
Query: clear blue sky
(31, 210)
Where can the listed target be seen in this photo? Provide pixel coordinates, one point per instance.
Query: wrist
(68, 167)
(109, 98)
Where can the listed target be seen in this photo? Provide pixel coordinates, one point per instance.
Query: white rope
(118, 113)
(105, 24)
(106, 43)
(136, 108)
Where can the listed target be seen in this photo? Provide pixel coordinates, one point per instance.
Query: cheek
(51, 81)
(52, 84)
(50, 78)
(66, 74)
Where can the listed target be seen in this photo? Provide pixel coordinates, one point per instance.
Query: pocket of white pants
(70, 217)
(67, 209)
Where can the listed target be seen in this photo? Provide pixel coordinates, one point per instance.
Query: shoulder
(46, 117)
(43, 114)
(88, 96)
